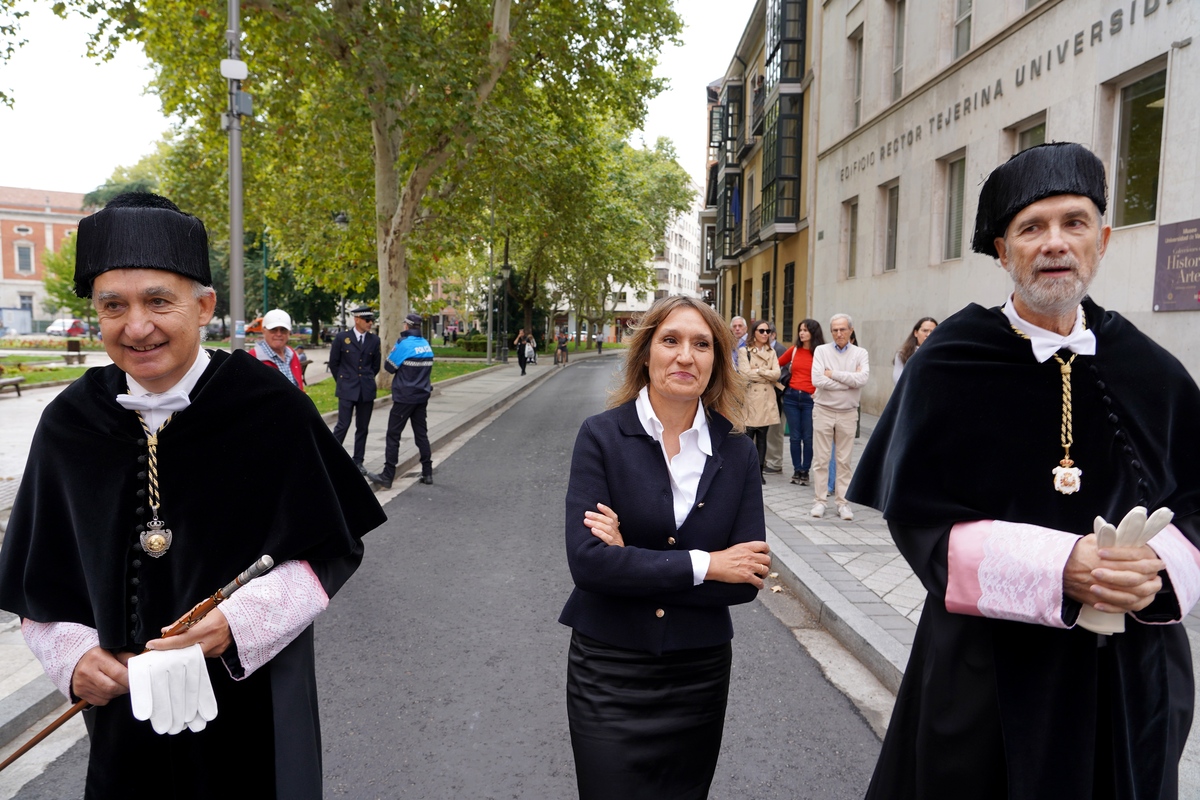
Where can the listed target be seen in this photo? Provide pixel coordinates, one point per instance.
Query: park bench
(12, 383)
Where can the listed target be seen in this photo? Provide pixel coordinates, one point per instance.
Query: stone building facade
(920, 99)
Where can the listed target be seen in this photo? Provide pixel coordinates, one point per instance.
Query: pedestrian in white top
(839, 371)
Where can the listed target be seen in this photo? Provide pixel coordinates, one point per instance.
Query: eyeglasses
(763, 330)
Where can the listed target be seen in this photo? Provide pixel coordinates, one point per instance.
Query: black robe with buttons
(249, 468)
(998, 709)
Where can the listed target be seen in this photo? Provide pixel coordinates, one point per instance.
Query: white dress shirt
(685, 469)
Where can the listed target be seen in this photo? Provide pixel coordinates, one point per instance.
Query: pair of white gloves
(1134, 530)
(171, 688)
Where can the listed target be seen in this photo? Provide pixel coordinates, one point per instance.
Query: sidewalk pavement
(850, 574)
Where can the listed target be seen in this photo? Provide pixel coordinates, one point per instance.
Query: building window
(781, 161)
(26, 301)
(766, 297)
(24, 258)
(856, 54)
(1139, 150)
(785, 42)
(956, 173)
(962, 27)
(1031, 136)
(892, 215)
(789, 299)
(852, 238)
(898, 10)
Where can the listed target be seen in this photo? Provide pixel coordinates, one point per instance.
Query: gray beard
(1052, 299)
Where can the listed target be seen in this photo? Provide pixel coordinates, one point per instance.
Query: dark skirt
(645, 726)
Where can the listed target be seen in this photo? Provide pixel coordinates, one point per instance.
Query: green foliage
(60, 281)
(10, 38)
(380, 110)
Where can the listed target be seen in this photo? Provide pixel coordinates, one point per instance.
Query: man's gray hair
(735, 319)
(200, 290)
(849, 320)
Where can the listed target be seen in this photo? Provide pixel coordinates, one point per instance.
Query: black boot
(427, 479)
(384, 479)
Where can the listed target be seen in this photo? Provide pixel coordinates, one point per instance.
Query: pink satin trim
(963, 559)
(1007, 570)
(1183, 565)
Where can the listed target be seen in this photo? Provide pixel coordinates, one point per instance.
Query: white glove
(171, 688)
(1134, 531)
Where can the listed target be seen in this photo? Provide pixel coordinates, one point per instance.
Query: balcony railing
(757, 111)
(755, 226)
(744, 143)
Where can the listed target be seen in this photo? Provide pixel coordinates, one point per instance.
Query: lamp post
(235, 71)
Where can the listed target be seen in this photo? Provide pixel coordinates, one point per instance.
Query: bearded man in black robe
(117, 529)
(1011, 431)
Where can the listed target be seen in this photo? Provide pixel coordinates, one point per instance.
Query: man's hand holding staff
(101, 676)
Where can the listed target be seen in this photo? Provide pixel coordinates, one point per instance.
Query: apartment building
(756, 218)
(32, 223)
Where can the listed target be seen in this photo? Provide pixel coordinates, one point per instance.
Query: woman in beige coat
(760, 367)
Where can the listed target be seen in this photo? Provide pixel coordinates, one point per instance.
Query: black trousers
(759, 435)
(362, 418)
(401, 413)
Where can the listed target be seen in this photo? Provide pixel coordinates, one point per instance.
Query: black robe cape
(993, 708)
(71, 555)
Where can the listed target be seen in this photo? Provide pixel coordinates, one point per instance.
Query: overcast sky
(76, 120)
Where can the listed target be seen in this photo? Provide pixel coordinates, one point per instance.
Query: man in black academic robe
(1005, 695)
(77, 564)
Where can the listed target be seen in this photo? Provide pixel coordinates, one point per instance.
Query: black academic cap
(1031, 175)
(139, 230)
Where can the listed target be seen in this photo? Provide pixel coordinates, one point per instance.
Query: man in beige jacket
(839, 372)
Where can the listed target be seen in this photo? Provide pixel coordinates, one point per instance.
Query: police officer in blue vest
(411, 361)
(354, 357)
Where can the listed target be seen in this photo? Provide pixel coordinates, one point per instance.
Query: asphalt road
(442, 664)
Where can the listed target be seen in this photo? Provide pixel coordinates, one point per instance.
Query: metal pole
(491, 272)
(266, 261)
(505, 267)
(237, 288)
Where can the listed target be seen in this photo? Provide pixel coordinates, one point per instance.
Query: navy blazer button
(658, 612)
(670, 540)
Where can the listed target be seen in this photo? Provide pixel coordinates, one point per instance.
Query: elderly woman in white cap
(273, 349)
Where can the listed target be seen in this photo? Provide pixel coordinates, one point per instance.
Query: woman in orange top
(797, 396)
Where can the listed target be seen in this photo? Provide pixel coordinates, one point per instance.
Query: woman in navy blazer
(658, 554)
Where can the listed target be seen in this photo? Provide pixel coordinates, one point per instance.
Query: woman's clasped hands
(745, 562)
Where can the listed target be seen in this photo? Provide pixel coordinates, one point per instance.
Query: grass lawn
(12, 361)
(322, 393)
(36, 376)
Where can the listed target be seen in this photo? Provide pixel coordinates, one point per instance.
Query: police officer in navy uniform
(411, 361)
(354, 359)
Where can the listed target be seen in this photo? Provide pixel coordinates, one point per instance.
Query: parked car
(67, 327)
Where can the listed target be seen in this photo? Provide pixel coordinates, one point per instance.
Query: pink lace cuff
(1008, 570)
(59, 646)
(1183, 566)
(269, 612)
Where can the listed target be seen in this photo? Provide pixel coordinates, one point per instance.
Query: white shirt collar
(654, 427)
(1046, 343)
(155, 417)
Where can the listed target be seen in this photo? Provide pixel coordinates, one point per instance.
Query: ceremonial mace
(181, 625)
